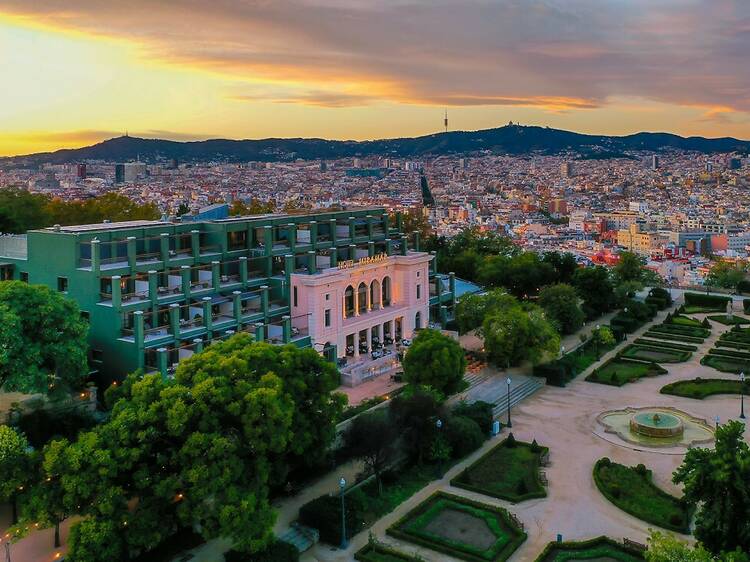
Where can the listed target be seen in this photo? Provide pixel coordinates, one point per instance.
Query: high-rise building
(119, 173)
(81, 171)
(323, 166)
(566, 169)
(654, 162)
(735, 163)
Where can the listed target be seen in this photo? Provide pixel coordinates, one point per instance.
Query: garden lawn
(735, 320)
(632, 490)
(652, 353)
(695, 309)
(700, 388)
(726, 364)
(665, 344)
(376, 552)
(652, 333)
(686, 321)
(461, 528)
(600, 548)
(692, 331)
(509, 471)
(618, 371)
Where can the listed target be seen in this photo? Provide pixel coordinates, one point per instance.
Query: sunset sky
(74, 72)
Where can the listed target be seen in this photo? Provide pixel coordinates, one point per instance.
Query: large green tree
(664, 547)
(42, 339)
(435, 360)
(21, 210)
(726, 274)
(717, 481)
(15, 466)
(372, 437)
(561, 305)
(523, 275)
(595, 288)
(565, 265)
(471, 310)
(516, 334)
(629, 267)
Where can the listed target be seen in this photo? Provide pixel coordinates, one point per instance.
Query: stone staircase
(300, 536)
(518, 393)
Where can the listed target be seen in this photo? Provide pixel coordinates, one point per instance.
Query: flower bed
(619, 370)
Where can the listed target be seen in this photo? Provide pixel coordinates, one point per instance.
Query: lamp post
(742, 396)
(342, 487)
(562, 351)
(716, 419)
(509, 424)
(439, 426)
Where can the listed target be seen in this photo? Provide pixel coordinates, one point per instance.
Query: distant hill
(510, 139)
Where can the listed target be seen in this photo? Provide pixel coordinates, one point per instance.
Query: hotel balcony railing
(168, 291)
(200, 285)
(229, 279)
(209, 249)
(138, 296)
(180, 252)
(190, 323)
(148, 257)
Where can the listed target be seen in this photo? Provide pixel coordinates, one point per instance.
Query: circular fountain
(656, 427)
(656, 424)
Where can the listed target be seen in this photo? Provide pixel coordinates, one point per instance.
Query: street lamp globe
(439, 423)
(342, 483)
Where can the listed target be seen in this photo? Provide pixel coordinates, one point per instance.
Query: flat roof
(105, 226)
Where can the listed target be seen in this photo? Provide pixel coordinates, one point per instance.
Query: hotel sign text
(348, 264)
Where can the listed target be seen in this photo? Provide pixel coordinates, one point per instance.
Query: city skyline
(83, 72)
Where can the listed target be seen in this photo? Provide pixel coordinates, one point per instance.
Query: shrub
(277, 551)
(706, 323)
(707, 301)
(480, 412)
(606, 461)
(463, 435)
(522, 488)
(535, 448)
(324, 514)
(641, 469)
(510, 442)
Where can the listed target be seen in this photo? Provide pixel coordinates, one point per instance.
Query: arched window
(362, 298)
(349, 302)
(386, 291)
(375, 294)
(418, 321)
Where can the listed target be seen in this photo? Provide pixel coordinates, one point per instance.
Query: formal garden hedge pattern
(699, 302)
(699, 388)
(377, 552)
(509, 471)
(600, 548)
(452, 525)
(632, 490)
(619, 371)
(656, 353)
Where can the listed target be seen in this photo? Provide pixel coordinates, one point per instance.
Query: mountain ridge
(510, 139)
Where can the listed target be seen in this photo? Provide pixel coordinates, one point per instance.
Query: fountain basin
(656, 424)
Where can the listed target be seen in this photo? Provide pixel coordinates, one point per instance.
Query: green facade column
(207, 314)
(417, 240)
(333, 223)
(174, 319)
(399, 222)
(352, 251)
(384, 221)
(268, 239)
(260, 332)
(433, 262)
(250, 236)
(237, 305)
(334, 257)
(352, 228)
(215, 275)
(96, 256)
(452, 285)
(195, 243)
(139, 333)
(314, 234)
(291, 236)
(131, 252)
(404, 245)
(197, 345)
(288, 270)
(389, 246)
(161, 360)
(371, 248)
(185, 273)
(264, 300)
(116, 292)
(370, 226)
(164, 247)
(153, 285)
(443, 316)
(312, 265)
(243, 270)
(286, 328)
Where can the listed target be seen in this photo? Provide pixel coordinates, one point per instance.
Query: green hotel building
(155, 292)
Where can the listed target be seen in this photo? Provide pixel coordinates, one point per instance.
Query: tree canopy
(42, 339)
(595, 288)
(561, 306)
(717, 481)
(516, 334)
(253, 207)
(15, 463)
(472, 309)
(436, 361)
(726, 274)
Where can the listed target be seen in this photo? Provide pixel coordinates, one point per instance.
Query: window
(418, 273)
(419, 291)
(349, 302)
(62, 284)
(24, 276)
(295, 296)
(328, 317)
(328, 296)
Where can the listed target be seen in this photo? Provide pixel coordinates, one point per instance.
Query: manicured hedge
(699, 388)
(707, 301)
(665, 344)
(693, 331)
(277, 551)
(666, 355)
(726, 364)
(732, 344)
(673, 337)
(377, 552)
(632, 490)
(619, 371)
(599, 547)
(746, 306)
(734, 321)
(324, 514)
(560, 371)
(730, 353)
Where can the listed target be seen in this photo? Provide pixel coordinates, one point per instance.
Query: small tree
(372, 438)
(435, 360)
(602, 338)
(15, 464)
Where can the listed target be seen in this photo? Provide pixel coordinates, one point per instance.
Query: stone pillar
(384, 221)
(259, 332)
(370, 226)
(264, 300)
(131, 253)
(195, 243)
(288, 270)
(161, 360)
(174, 319)
(443, 315)
(380, 333)
(352, 251)
(334, 257)
(371, 248)
(312, 265)
(237, 305)
(153, 285)
(164, 247)
(116, 292)
(198, 345)
(433, 262)
(389, 246)
(215, 275)
(268, 239)
(399, 222)
(333, 223)
(207, 314)
(286, 328)
(404, 245)
(352, 229)
(369, 339)
(452, 285)
(139, 332)
(96, 256)
(243, 270)
(356, 344)
(314, 234)
(291, 234)
(185, 274)
(417, 241)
